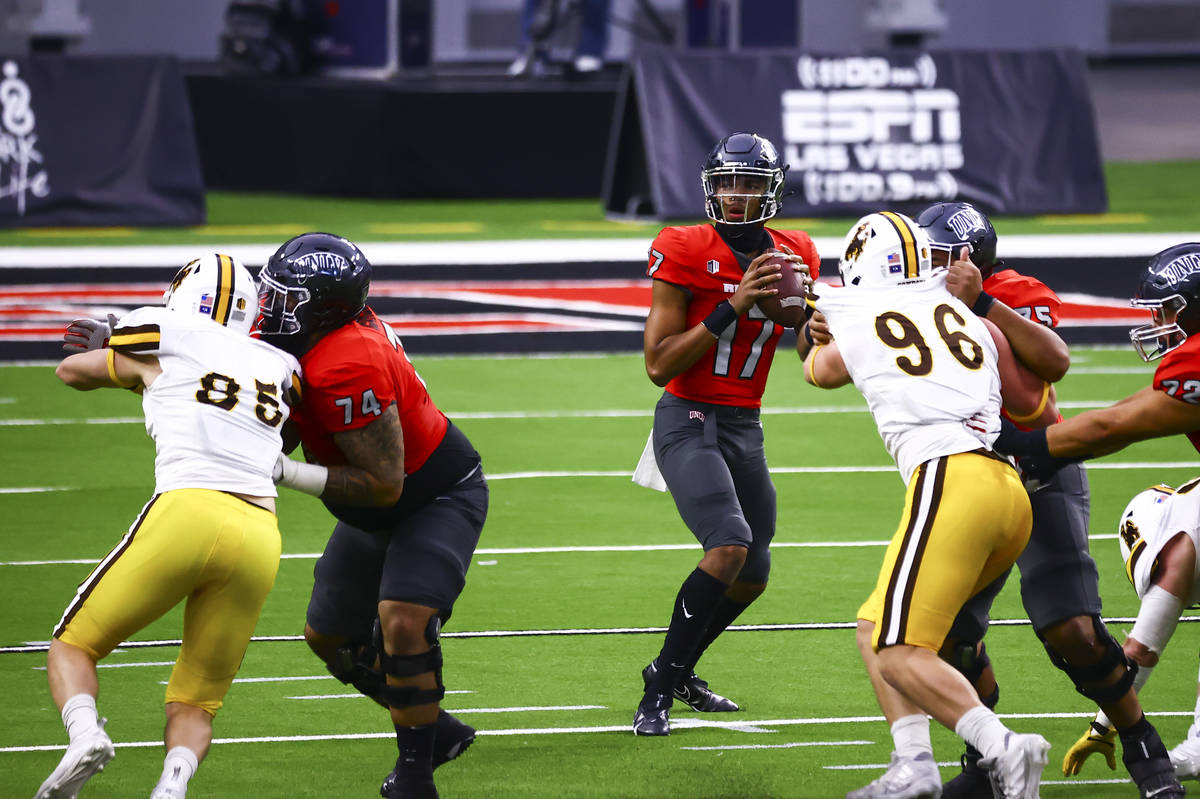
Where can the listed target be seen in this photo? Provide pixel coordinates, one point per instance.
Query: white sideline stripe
(42, 646)
(551, 550)
(317, 696)
(777, 746)
(526, 251)
(33, 489)
(622, 728)
(584, 414)
(593, 548)
(542, 475)
(531, 708)
(625, 413)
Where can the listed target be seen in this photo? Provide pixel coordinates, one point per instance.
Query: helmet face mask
(886, 248)
(743, 179)
(279, 305)
(1163, 334)
(218, 287)
(952, 226)
(313, 283)
(1169, 288)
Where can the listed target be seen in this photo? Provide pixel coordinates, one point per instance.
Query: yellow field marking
(78, 232)
(248, 230)
(590, 227)
(1083, 219)
(409, 228)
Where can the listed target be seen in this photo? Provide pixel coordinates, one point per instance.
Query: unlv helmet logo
(967, 222)
(1180, 268)
(322, 263)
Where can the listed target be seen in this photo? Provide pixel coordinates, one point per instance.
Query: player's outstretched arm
(1147, 414)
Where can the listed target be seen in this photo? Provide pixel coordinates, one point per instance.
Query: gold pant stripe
(89, 584)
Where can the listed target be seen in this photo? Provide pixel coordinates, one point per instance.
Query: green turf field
(559, 437)
(1143, 198)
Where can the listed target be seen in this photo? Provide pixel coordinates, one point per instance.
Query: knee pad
(402, 696)
(354, 664)
(1089, 679)
(969, 662)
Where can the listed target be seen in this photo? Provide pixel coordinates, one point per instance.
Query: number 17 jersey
(697, 260)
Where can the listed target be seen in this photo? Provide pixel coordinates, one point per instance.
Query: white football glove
(88, 334)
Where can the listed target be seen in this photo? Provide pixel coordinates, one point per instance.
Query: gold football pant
(217, 552)
(966, 519)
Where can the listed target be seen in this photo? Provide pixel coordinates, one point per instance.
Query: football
(1028, 399)
(787, 307)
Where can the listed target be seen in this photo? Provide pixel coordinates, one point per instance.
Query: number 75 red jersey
(697, 260)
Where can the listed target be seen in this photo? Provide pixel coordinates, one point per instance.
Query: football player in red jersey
(1169, 287)
(710, 346)
(380, 454)
(1059, 581)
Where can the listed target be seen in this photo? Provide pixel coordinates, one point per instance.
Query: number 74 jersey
(925, 364)
(217, 410)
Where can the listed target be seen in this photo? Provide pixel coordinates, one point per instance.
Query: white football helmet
(218, 287)
(886, 248)
(1140, 521)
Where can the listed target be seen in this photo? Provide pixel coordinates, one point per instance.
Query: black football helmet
(952, 225)
(743, 179)
(313, 282)
(1169, 288)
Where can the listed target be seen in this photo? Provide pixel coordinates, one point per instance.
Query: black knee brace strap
(1089, 679)
(968, 662)
(354, 664)
(411, 666)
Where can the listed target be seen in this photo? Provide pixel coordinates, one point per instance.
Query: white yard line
(683, 723)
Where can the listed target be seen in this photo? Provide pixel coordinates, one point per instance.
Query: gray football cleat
(905, 778)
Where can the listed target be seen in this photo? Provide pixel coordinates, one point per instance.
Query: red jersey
(1028, 296)
(1178, 376)
(351, 376)
(696, 259)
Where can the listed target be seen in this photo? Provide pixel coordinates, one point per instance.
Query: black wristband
(1014, 441)
(807, 334)
(721, 317)
(983, 304)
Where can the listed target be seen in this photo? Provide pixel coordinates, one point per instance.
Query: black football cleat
(972, 783)
(408, 789)
(653, 715)
(694, 692)
(451, 738)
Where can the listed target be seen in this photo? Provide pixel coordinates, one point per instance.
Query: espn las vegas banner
(97, 141)
(1013, 132)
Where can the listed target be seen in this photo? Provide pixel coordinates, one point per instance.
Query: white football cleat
(1186, 758)
(169, 792)
(1016, 773)
(906, 778)
(85, 757)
